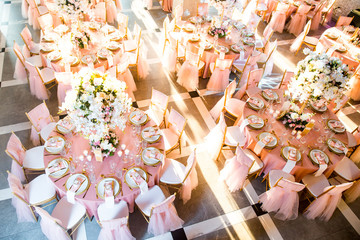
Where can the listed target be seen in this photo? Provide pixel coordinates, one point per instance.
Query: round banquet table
(102, 169)
(272, 158)
(209, 56)
(98, 40)
(352, 52)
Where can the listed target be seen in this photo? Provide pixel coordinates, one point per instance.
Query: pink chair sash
(115, 229)
(24, 8)
(50, 226)
(143, 66)
(278, 19)
(19, 201)
(236, 170)
(176, 122)
(37, 87)
(191, 181)
(64, 84)
(217, 109)
(159, 99)
(324, 206)
(283, 199)
(298, 40)
(111, 11)
(15, 149)
(164, 217)
(40, 117)
(33, 15)
(215, 138)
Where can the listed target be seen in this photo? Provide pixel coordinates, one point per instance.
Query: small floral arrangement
(73, 7)
(319, 76)
(219, 31)
(97, 104)
(81, 39)
(355, 39)
(294, 119)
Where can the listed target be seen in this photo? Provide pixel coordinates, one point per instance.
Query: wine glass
(137, 160)
(113, 164)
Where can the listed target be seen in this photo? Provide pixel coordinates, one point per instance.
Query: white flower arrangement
(73, 7)
(294, 119)
(319, 76)
(97, 104)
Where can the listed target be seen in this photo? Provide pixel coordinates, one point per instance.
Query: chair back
(50, 226)
(122, 20)
(216, 137)
(202, 9)
(268, 32)
(123, 64)
(178, 13)
(286, 79)
(193, 58)
(26, 37)
(303, 9)
(254, 78)
(190, 165)
(176, 122)
(46, 22)
(40, 74)
(288, 185)
(343, 21)
(159, 99)
(253, 22)
(18, 53)
(282, 7)
(16, 187)
(223, 64)
(229, 91)
(137, 34)
(15, 149)
(115, 229)
(39, 116)
(166, 26)
(243, 159)
(100, 12)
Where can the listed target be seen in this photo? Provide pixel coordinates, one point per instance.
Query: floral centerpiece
(81, 39)
(294, 119)
(319, 76)
(219, 31)
(73, 8)
(97, 104)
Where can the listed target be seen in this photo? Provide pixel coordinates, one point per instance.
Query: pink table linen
(91, 201)
(272, 158)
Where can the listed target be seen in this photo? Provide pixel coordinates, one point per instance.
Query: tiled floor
(213, 212)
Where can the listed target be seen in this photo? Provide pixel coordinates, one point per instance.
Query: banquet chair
(315, 16)
(190, 70)
(298, 20)
(202, 9)
(304, 39)
(20, 67)
(282, 198)
(215, 139)
(24, 161)
(111, 11)
(260, 44)
(240, 167)
(181, 177)
(46, 22)
(278, 18)
(267, 58)
(242, 67)
(220, 73)
(276, 80)
(326, 196)
(132, 44)
(174, 52)
(123, 73)
(235, 135)
(271, 6)
(122, 21)
(178, 12)
(138, 62)
(228, 104)
(64, 84)
(34, 48)
(39, 192)
(253, 22)
(274, 175)
(326, 13)
(351, 62)
(42, 123)
(47, 76)
(252, 83)
(172, 134)
(348, 171)
(37, 84)
(100, 12)
(114, 221)
(343, 21)
(158, 211)
(166, 27)
(34, 12)
(158, 107)
(66, 216)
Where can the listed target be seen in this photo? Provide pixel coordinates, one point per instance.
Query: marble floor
(213, 212)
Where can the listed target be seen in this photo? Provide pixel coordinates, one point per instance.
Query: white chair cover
(215, 139)
(15, 149)
(191, 180)
(49, 226)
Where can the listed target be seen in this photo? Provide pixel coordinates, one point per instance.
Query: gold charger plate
(150, 161)
(83, 187)
(335, 130)
(52, 140)
(255, 126)
(285, 153)
(100, 190)
(61, 172)
(313, 158)
(130, 182)
(271, 145)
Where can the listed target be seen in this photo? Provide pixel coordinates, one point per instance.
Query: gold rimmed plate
(335, 145)
(84, 185)
(255, 122)
(152, 160)
(313, 158)
(286, 150)
(54, 144)
(65, 126)
(236, 48)
(255, 103)
(154, 137)
(61, 166)
(100, 187)
(269, 95)
(130, 182)
(272, 144)
(221, 48)
(318, 109)
(88, 59)
(104, 53)
(336, 126)
(138, 114)
(54, 56)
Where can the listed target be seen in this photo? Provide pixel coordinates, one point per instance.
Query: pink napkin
(270, 93)
(261, 144)
(109, 188)
(54, 144)
(337, 145)
(267, 139)
(139, 181)
(254, 121)
(66, 124)
(254, 101)
(137, 116)
(292, 154)
(77, 183)
(56, 167)
(337, 125)
(153, 154)
(150, 134)
(322, 164)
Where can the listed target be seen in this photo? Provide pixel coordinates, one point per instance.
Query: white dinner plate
(255, 106)
(152, 139)
(130, 182)
(270, 95)
(100, 188)
(285, 153)
(336, 130)
(149, 160)
(83, 186)
(334, 149)
(61, 172)
(314, 159)
(142, 120)
(271, 144)
(255, 118)
(65, 125)
(55, 144)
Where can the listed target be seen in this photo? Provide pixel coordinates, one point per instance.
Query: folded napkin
(139, 181)
(153, 154)
(289, 166)
(337, 125)
(54, 143)
(254, 120)
(262, 143)
(292, 154)
(337, 145)
(66, 124)
(322, 164)
(137, 116)
(70, 194)
(270, 93)
(109, 193)
(152, 132)
(55, 167)
(254, 101)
